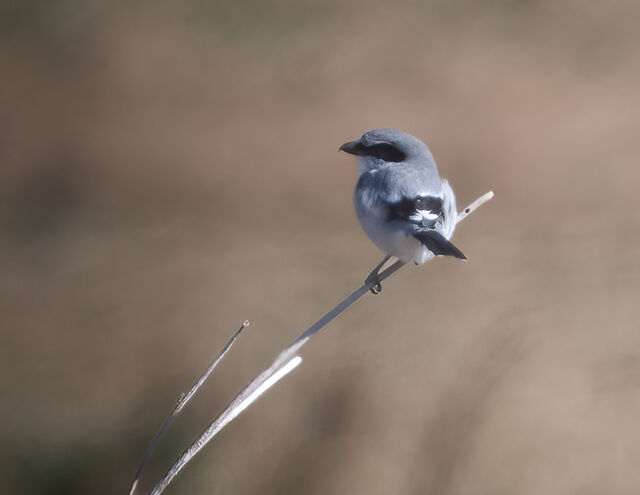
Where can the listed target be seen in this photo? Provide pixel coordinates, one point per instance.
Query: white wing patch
(420, 216)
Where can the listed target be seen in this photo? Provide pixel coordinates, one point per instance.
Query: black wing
(422, 210)
(438, 244)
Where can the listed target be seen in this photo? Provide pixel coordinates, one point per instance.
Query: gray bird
(403, 205)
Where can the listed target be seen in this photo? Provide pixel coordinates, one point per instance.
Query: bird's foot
(372, 281)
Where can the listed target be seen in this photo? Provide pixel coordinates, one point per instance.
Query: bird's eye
(386, 152)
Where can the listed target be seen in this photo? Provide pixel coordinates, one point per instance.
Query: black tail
(438, 244)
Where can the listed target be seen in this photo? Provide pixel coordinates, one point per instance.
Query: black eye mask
(385, 151)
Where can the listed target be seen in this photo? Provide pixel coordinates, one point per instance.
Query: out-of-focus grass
(170, 169)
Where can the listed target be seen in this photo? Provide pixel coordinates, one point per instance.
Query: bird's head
(386, 146)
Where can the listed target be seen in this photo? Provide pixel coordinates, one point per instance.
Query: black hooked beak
(353, 148)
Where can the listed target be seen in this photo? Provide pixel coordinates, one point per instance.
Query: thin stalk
(183, 400)
(284, 363)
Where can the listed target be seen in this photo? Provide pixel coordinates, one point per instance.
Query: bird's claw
(375, 287)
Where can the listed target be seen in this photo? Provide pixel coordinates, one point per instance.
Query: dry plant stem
(285, 362)
(474, 206)
(348, 301)
(232, 411)
(182, 401)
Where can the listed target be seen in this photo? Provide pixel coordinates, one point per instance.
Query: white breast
(393, 240)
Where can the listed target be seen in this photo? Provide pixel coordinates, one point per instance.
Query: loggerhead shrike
(403, 205)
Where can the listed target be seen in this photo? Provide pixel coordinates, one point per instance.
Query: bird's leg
(372, 280)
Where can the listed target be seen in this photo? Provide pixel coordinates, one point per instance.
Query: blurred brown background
(168, 169)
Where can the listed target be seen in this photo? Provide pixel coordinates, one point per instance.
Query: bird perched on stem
(403, 205)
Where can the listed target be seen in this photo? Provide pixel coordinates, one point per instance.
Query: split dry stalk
(284, 363)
